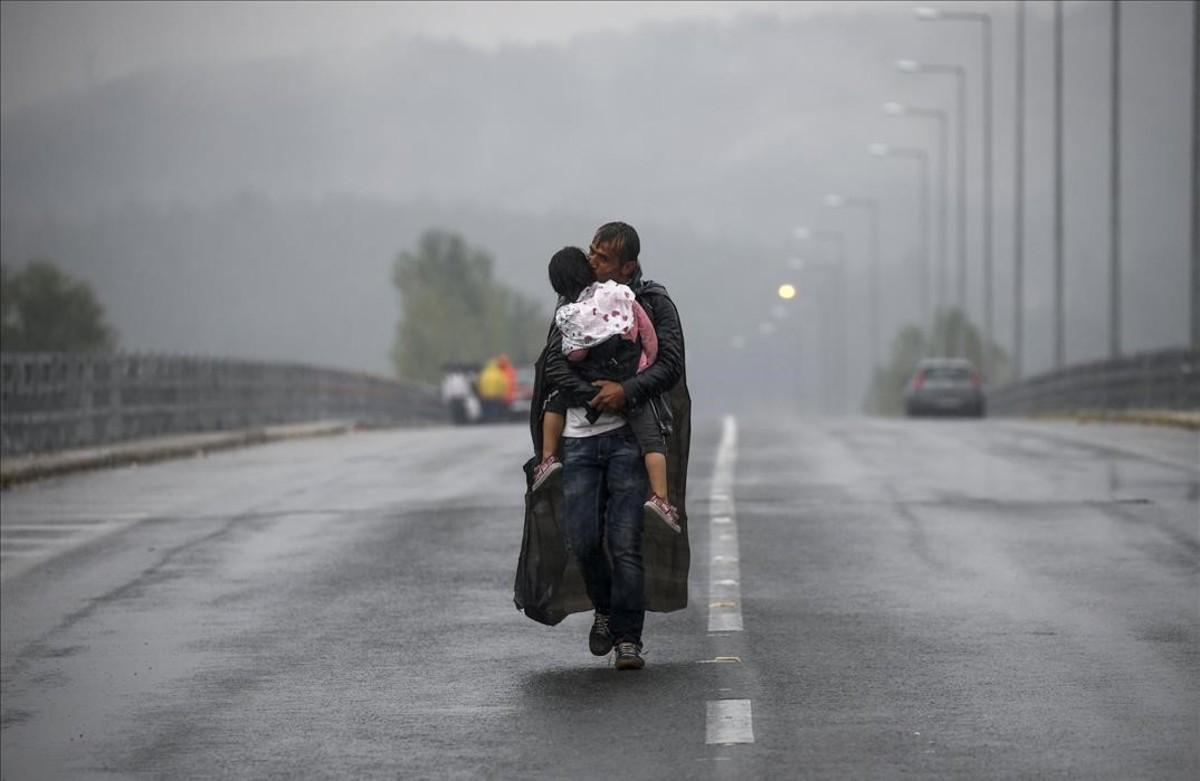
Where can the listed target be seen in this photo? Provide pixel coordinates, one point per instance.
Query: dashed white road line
(728, 722)
(49, 528)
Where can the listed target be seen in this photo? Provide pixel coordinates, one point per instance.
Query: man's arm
(667, 369)
(561, 376)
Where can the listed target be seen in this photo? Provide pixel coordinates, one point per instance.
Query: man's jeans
(607, 473)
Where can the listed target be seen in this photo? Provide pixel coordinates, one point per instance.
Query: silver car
(945, 386)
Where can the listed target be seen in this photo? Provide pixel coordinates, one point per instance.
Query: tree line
(453, 310)
(44, 309)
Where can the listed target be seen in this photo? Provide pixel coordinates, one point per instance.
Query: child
(589, 315)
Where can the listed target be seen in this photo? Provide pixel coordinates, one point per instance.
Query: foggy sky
(237, 154)
(54, 48)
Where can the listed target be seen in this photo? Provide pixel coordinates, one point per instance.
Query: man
(492, 386)
(625, 569)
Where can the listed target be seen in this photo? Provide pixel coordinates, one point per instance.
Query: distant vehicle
(945, 386)
(524, 396)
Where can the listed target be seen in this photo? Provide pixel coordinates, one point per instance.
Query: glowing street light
(787, 292)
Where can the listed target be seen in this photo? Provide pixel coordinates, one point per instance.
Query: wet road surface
(926, 598)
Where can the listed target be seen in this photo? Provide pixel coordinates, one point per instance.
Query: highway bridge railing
(58, 401)
(1160, 380)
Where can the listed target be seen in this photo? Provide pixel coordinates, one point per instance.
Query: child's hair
(570, 272)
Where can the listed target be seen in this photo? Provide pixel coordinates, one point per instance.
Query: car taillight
(918, 381)
(976, 380)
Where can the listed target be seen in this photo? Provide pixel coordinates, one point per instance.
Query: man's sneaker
(600, 638)
(542, 472)
(665, 511)
(629, 656)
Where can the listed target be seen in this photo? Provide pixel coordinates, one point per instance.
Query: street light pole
(872, 207)
(1114, 221)
(1059, 319)
(985, 22)
(909, 66)
(943, 273)
(1019, 201)
(884, 150)
(838, 240)
(1195, 177)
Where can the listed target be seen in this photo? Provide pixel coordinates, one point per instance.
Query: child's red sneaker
(664, 511)
(542, 472)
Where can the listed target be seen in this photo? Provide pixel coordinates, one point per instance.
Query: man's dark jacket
(548, 585)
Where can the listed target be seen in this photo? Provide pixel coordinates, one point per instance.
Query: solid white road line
(729, 722)
(724, 575)
(51, 528)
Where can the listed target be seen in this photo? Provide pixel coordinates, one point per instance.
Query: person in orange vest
(510, 379)
(493, 386)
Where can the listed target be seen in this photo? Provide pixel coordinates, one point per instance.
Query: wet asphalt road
(920, 598)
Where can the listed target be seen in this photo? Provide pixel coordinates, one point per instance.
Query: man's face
(605, 259)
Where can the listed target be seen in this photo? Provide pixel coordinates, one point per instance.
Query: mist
(251, 206)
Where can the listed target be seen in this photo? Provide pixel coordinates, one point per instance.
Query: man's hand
(611, 397)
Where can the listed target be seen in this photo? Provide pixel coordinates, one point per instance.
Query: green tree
(887, 388)
(43, 309)
(953, 335)
(452, 310)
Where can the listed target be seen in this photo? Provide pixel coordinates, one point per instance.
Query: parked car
(945, 386)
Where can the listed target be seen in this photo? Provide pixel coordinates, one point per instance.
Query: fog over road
(935, 598)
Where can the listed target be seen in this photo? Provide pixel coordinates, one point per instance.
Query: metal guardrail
(54, 401)
(1165, 380)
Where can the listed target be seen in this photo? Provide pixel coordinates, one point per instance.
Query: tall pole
(942, 270)
(943, 208)
(839, 258)
(962, 198)
(843, 285)
(926, 316)
(874, 208)
(985, 22)
(1019, 200)
(838, 240)
(986, 358)
(1059, 319)
(923, 243)
(1114, 181)
(910, 66)
(1196, 176)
